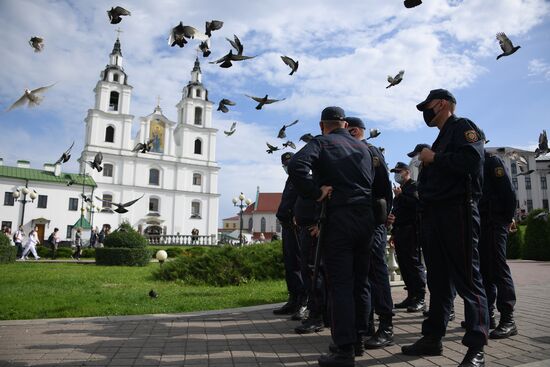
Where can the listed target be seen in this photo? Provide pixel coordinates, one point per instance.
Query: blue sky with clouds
(345, 50)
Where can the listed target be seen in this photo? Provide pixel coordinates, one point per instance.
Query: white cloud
(540, 69)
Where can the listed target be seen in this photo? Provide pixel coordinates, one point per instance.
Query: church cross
(118, 31)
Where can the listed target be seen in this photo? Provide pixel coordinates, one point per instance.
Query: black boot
(313, 324)
(403, 304)
(417, 304)
(341, 357)
(288, 308)
(474, 358)
(358, 347)
(506, 327)
(301, 311)
(425, 346)
(383, 336)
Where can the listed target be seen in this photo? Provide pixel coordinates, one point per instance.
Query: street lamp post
(25, 191)
(238, 202)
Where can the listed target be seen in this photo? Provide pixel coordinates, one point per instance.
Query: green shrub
(127, 237)
(514, 246)
(226, 265)
(537, 238)
(62, 252)
(7, 251)
(88, 252)
(122, 256)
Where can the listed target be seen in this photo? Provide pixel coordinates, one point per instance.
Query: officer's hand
(397, 191)
(426, 156)
(390, 220)
(392, 244)
(326, 191)
(513, 227)
(313, 231)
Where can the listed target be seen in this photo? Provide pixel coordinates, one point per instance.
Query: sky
(345, 51)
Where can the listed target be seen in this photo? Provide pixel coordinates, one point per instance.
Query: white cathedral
(178, 178)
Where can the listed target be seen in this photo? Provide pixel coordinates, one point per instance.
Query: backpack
(15, 237)
(51, 239)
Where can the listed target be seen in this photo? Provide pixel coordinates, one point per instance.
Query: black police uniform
(291, 251)
(379, 281)
(405, 238)
(339, 160)
(451, 257)
(497, 207)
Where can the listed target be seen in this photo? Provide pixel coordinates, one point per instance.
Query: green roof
(32, 174)
(83, 223)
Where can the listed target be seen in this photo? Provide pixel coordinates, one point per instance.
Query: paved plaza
(253, 336)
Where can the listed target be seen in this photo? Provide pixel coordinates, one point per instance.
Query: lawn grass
(47, 290)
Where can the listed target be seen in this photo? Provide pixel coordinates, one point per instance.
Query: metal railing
(182, 240)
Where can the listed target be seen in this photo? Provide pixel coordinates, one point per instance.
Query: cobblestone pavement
(255, 337)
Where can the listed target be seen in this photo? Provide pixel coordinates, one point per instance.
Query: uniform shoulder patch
(471, 136)
(499, 172)
(376, 161)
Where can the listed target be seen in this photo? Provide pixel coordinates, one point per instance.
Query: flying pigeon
(373, 133)
(236, 44)
(231, 130)
(96, 163)
(519, 159)
(37, 43)
(291, 63)
(306, 138)
(271, 148)
(204, 47)
(121, 208)
(412, 3)
(225, 61)
(222, 106)
(543, 145)
(65, 156)
(32, 97)
(143, 147)
(264, 100)
(87, 199)
(152, 293)
(506, 45)
(282, 133)
(213, 26)
(395, 80)
(179, 33)
(70, 182)
(289, 144)
(116, 13)
(542, 216)
(526, 173)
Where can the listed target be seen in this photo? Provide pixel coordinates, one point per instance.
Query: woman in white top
(31, 245)
(18, 237)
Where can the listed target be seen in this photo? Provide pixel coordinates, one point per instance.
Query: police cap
(417, 149)
(400, 166)
(436, 94)
(333, 113)
(355, 122)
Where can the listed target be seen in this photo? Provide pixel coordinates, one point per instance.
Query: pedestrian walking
(30, 246)
(78, 244)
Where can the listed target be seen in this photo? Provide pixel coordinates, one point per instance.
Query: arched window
(113, 101)
(115, 77)
(198, 146)
(106, 201)
(153, 204)
(198, 116)
(197, 179)
(107, 170)
(154, 176)
(110, 134)
(196, 209)
(250, 224)
(198, 92)
(262, 225)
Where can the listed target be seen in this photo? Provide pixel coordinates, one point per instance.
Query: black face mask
(429, 114)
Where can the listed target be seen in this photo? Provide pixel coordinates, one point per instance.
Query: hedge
(514, 246)
(225, 265)
(7, 251)
(537, 237)
(122, 256)
(125, 238)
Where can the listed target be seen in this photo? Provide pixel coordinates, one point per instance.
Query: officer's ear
(346, 124)
(321, 125)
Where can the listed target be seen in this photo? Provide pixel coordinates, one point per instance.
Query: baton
(318, 252)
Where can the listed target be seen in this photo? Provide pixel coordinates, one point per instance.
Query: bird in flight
(293, 64)
(121, 208)
(506, 45)
(37, 43)
(282, 131)
(263, 101)
(31, 97)
(396, 79)
(65, 156)
(232, 129)
(115, 14)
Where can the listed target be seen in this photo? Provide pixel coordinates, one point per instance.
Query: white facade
(178, 178)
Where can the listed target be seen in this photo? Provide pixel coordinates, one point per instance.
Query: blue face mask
(398, 178)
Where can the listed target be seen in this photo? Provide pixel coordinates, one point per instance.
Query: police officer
(497, 207)
(379, 281)
(405, 239)
(450, 185)
(343, 174)
(297, 296)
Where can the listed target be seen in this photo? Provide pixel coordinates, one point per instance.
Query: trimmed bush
(125, 246)
(122, 256)
(537, 238)
(46, 252)
(514, 246)
(7, 251)
(226, 265)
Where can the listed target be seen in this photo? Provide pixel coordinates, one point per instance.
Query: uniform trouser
(409, 260)
(496, 274)
(317, 296)
(293, 262)
(347, 249)
(443, 236)
(30, 248)
(379, 280)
